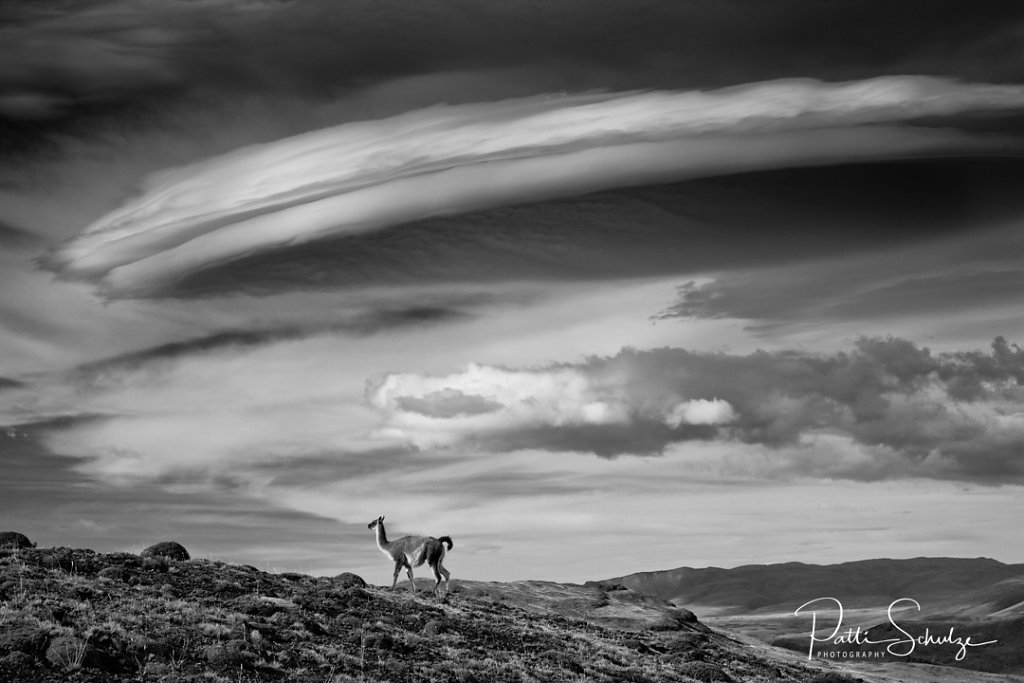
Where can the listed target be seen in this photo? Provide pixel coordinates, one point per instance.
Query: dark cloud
(640, 437)
(963, 276)
(909, 411)
(362, 324)
(27, 437)
(934, 294)
(448, 403)
(940, 237)
(739, 221)
(770, 301)
(8, 383)
(63, 60)
(15, 237)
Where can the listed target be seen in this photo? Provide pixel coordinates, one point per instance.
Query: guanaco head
(374, 523)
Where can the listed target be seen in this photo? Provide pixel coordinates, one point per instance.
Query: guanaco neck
(382, 538)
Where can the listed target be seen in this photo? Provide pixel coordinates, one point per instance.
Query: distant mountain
(977, 598)
(978, 587)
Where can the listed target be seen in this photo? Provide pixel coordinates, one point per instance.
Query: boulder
(169, 549)
(13, 540)
(112, 573)
(349, 580)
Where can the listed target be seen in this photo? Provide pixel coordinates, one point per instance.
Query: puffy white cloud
(436, 410)
(886, 408)
(481, 400)
(701, 411)
(347, 179)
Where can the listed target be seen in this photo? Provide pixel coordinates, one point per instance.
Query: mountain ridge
(978, 586)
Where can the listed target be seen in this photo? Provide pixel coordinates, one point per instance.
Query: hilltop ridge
(77, 615)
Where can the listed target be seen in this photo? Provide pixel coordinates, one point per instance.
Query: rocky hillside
(76, 615)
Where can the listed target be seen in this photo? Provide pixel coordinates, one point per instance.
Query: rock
(349, 580)
(169, 549)
(684, 615)
(12, 540)
(112, 573)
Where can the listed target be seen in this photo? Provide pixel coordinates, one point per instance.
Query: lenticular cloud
(365, 176)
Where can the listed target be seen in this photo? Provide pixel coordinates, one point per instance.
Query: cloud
(122, 51)
(32, 105)
(561, 408)
(447, 403)
(885, 408)
(15, 237)
(701, 226)
(364, 323)
(701, 411)
(8, 383)
(55, 504)
(280, 424)
(420, 407)
(503, 503)
(975, 273)
(343, 181)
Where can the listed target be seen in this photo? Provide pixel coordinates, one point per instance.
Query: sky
(592, 288)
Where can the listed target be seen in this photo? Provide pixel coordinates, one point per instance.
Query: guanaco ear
(381, 518)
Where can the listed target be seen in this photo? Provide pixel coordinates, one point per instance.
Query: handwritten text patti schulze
(901, 646)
